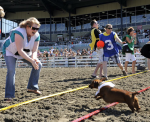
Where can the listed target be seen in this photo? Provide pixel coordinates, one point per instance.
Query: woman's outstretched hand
(123, 42)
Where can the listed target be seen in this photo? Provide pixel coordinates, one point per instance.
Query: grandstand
(71, 19)
(64, 42)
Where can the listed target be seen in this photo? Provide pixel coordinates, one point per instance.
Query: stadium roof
(52, 5)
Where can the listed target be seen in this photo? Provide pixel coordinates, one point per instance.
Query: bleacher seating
(60, 27)
(78, 27)
(138, 18)
(126, 20)
(112, 21)
(147, 17)
(103, 22)
(118, 21)
(86, 26)
(42, 28)
(45, 28)
(84, 30)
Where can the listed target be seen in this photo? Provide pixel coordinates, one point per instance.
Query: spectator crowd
(64, 53)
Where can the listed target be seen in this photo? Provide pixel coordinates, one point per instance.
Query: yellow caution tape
(126, 76)
(71, 90)
(33, 100)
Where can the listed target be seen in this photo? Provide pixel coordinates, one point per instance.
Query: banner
(139, 27)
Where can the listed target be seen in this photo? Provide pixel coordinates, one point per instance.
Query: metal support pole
(50, 28)
(69, 26)
(121, 22)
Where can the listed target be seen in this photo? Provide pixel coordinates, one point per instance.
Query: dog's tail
(134, 93)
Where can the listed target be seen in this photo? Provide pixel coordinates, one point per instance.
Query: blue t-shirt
(110, 47)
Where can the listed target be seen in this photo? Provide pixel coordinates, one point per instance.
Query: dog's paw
(138, 110)
(97, 97)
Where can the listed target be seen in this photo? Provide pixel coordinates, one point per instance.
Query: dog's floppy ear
(96, 84)
(90, 86)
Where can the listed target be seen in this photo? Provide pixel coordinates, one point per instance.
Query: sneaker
(104, 78)
(124, 73)
(94, 76)
(8, 99)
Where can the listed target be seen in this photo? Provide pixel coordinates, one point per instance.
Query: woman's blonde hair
(2, 13)
(29, 22)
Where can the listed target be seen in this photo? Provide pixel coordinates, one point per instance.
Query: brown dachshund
(111, 94)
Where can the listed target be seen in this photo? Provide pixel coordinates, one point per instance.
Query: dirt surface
(70, 106)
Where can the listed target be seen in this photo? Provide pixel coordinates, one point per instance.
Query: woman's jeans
(10, 78)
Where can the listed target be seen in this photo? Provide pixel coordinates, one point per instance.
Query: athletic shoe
(94, 76)
(124, 73)
(104, 78)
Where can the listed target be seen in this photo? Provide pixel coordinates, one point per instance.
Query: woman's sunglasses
(109, 28)
(34, 28)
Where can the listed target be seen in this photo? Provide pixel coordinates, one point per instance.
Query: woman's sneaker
(8, 100)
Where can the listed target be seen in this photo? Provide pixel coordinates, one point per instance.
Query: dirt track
(71, 106)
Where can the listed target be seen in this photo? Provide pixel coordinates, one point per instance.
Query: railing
(78, 61)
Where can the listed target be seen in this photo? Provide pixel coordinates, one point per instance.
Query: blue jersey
(110, 47)
(119, 47)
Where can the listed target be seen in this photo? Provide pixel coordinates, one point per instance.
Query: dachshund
(111, 94)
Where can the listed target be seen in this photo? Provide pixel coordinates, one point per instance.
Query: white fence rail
(78, 61)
